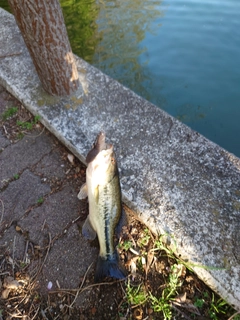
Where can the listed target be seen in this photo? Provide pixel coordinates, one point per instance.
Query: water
(182, 55)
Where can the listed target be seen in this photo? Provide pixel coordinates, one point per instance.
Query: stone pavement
(36, 179)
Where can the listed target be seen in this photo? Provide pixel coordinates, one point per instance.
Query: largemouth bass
(105, 206)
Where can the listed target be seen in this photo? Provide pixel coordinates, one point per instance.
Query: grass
(144, 239)
(28, 125)
(126, 245)
(10, 112)
(17, 121)
(136, 295)
(171, 291)
(199, 303)
(40, 200)
(216, 307)
(161, 305)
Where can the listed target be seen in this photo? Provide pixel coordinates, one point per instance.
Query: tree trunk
(43, 29)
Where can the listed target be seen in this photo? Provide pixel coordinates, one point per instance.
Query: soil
(47, 267)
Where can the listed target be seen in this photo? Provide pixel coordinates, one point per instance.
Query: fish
(103, 190)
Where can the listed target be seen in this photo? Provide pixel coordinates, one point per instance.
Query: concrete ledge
(177, 181)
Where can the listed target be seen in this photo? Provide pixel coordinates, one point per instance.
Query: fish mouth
(100, 143)
(98, 146)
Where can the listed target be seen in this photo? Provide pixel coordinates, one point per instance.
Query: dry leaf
(131, 264)
(134, 251)
(137, 313)
(133, 267)
(18, 229)
(5, 293)
(70, 158)
(181, 298)
(182, 301)
(10, 283)
(150, 257)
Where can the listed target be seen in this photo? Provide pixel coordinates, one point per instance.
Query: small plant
(40, 200)
(199, 303)
(126, 245)
(9, 113)
(25, 125)
(23, 264)
(16, 176)
(217, 307)
(28, 125)
(20, 135)
(174, 281)
(136, 296)
(161, 305)
(143, 241)
(36, 119)
(160, 245)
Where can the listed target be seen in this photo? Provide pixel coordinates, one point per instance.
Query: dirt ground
(47, 267)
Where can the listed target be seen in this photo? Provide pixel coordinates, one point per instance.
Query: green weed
(28, 125)
(20, 135)
(136, 295)
(217, 307)
(163, 300)
(126, 245)
(25, 125)
(143, 241)
(199, 303)
(16, 176)
(161, 305)
(23, 264)
(40, 200)
(9, 113)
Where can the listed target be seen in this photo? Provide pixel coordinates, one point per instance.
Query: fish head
(97, 147)
(101, 160)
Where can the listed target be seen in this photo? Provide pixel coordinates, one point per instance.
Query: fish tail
(109, 267)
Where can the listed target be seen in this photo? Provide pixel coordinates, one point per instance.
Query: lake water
(182, 55)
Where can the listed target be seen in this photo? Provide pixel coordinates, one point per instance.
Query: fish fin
(83, 193)
(109, 268)
(123, 221)
(88, 231)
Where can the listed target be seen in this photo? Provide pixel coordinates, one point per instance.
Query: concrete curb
(178, 182)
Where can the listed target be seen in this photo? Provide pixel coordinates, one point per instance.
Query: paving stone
(4, 142)
(20, 195)
(51, 166)
(68, 261)
(6, 100)
(52, 216)
(25, 153)
(13, 243)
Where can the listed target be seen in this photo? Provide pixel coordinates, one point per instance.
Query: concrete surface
(177, 181)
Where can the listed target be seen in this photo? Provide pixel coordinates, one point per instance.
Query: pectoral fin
(83, 193)
(88, 231)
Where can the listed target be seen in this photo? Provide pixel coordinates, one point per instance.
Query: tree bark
(43, 29)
